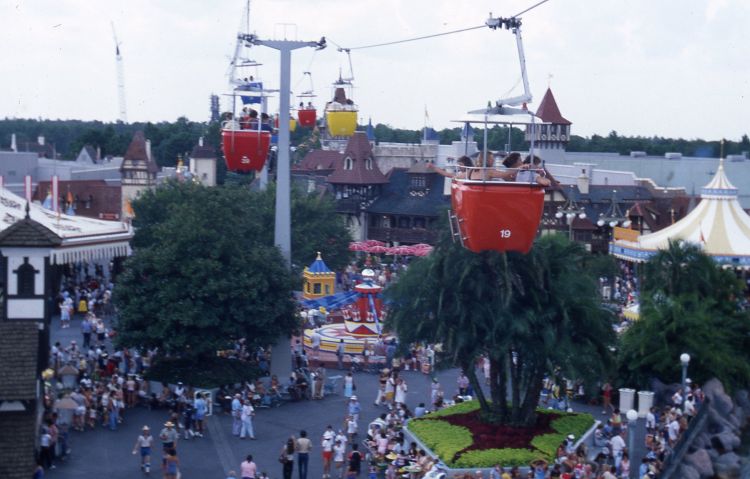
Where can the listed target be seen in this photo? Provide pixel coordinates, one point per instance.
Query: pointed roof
(549, 112)
(718, 224)
(28, 233)
(203, 151)
(319, 267)
(136, 157)
(362, 172)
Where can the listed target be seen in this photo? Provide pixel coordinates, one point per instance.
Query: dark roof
(203, 151)
(17, 448)
(359, 150)
(27, 232)
(19, 344)
(136, 157)
(548, 110)
(398, 197)
(321, 160)
(91, 151)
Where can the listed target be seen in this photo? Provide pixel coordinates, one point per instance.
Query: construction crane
(120, 78)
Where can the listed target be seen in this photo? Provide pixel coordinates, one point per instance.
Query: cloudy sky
(640, 67)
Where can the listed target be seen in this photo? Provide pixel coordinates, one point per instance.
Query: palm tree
(526, 313)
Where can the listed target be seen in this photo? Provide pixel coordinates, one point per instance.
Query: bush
(490, 457)
(547, 444)
(207, 372)
(459, 408)
(576, 424)
(447, 440)
(444, 439)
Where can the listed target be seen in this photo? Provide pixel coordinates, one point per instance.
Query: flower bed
(459, 437)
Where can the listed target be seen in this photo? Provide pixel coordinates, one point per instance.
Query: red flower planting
(493, 436)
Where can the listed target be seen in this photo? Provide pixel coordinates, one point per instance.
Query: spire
(549, 112)
(719, 187)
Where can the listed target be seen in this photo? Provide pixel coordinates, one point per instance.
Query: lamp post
(684, 360)
(632, 416)
(613, 216)
(570, 210)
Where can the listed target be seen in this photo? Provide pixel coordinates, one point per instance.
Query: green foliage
(489, 457)
(547, 444)
(688, 304)
(576, 424)
(202, 274)
(442, 438)
(205, 372)
(451, 439)
(459, 408)
(542, 307)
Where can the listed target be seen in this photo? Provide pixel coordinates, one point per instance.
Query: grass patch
(444, 439)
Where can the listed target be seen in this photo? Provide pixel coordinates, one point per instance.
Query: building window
(26, 273)
(348, 163)
(368, 164)
(316, 288)
(328, 289)
(418, 182)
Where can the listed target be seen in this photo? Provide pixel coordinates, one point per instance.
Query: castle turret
(138, 172)
(203, 163)
(551, 138)
(319, 280)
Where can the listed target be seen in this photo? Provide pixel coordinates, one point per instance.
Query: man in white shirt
(247, 420)
(617, 443)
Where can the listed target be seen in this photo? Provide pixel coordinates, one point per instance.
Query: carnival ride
(497, 215)
(306, 114)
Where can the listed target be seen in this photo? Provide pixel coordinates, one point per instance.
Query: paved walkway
(104, 453)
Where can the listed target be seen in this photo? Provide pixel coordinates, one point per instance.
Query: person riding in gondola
(533, 172)
(461, 163)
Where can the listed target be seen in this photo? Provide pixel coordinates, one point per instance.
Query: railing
(696, 426)
(402, 235)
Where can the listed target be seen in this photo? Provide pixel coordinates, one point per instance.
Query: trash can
(645, 401)
(627, 399)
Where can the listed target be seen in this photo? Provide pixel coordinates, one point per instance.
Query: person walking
(236, 415)
(355, 459)
(348, 385)
(354, 408)
(171, 464)
(168, 436)
(247, 420)
(286, 458)
(248, 468)
(303, 447)
(327, 451)
(143, 443)
(400, 392)
(339, 454)
(86, 330)
(340, 349)
(201, 407)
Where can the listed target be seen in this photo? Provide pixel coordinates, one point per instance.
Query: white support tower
(120, 79)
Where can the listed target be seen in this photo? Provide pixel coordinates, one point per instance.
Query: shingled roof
(17, 446)
(136, 157)
(397, 197)
(27, 232)
(549, 112)
(359, 150)
(321, 160)
(19, 344)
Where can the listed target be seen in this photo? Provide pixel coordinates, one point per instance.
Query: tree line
(170, 139)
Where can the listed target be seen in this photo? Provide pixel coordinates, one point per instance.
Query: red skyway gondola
(245, 150)
(307, 117)
(496, 215)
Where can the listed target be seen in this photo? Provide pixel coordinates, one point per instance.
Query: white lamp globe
(613, 223)
(684, 358)
(570, 216)
(600, 222)
(632, 415)
(627, 224)
(558, 214)
(582, 215)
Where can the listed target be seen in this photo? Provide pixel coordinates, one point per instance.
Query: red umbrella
(421, 246)
(422, 251)
(377, 249)
(403, 250)
(372, 242)
(357, 246)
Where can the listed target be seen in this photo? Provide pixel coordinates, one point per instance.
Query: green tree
(688, 304)
(527, 313)
(202, 274)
